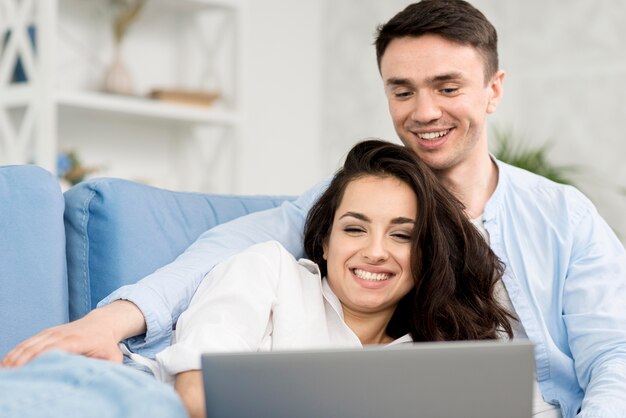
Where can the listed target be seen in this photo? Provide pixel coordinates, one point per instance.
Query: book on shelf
(187, 97)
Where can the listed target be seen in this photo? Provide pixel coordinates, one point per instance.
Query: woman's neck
(369, 328)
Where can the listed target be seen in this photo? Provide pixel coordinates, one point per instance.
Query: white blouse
(259, 300)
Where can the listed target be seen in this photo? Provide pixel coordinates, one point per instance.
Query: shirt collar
(498, 193)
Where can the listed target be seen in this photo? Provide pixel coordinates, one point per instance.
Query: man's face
(438, 99)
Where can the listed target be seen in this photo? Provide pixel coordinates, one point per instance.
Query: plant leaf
(512, 151)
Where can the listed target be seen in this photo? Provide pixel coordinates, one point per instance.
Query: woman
(392, 259)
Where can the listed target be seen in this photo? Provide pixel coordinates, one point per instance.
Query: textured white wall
(281, 153)
(566, 72)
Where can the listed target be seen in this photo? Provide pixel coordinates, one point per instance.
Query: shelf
(142, 107)
(198, 5)
(202, 39)
(16, 95)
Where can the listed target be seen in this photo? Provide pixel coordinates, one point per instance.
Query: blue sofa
(33, 279)
(62, 253)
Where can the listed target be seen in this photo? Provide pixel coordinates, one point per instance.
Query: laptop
(469, 379)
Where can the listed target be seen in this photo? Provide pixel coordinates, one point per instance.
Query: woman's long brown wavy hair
(453, 268)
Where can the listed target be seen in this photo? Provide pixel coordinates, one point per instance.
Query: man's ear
(495, 87)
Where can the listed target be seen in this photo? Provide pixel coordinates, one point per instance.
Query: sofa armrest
(33, 281)
(119, 231)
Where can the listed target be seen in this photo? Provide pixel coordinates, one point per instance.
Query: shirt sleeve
(163, 295)
(229, 312)
(595, 315)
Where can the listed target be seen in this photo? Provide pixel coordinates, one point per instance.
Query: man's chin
(433, 159)
(435, 163)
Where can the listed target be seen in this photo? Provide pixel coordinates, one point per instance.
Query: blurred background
(266, 96)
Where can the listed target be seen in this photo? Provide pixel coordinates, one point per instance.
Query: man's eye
(402, 94)
(449, 90)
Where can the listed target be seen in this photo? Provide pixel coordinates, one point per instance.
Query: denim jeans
(65, 385)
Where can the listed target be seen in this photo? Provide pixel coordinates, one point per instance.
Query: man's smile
(432, 135)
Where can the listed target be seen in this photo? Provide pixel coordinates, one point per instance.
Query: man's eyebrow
(394, 81)
(445, 77)
(441, 78)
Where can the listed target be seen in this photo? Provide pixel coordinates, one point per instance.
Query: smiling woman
(451, 268)
(368, 253)
(393, 259)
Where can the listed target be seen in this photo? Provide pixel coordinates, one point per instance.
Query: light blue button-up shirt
(565, 275)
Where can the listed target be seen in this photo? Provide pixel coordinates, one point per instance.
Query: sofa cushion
(33, 281)
(119, 231)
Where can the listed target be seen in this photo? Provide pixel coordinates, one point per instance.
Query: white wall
(282, 150)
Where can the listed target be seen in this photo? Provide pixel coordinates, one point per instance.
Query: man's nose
(426, 108)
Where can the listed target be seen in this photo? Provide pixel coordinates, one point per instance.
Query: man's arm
(161, 297)
(594, 311)
(94, 335)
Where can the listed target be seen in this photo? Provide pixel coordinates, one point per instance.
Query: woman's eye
(353, 230)
(402, 236)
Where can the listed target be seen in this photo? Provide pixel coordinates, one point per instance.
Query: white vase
(117, 78)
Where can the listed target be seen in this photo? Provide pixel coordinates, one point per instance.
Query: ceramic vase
(117, 78)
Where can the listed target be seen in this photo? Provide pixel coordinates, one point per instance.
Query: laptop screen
(452, 379)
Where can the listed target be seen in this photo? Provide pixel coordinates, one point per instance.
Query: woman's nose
(375, 250)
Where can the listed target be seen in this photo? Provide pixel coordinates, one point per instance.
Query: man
(566, 271)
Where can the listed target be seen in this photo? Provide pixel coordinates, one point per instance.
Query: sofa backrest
(119, 231)
(33, 281)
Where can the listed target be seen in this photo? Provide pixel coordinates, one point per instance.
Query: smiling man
(565, 278)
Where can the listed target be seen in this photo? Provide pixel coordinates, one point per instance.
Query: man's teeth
(433, 135)
(366, 275)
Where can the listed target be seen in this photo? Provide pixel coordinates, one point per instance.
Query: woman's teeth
(366, 275)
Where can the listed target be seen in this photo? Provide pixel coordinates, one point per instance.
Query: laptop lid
(486, 379)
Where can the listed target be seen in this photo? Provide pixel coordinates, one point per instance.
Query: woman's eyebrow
(395, 221)
(356, 215)
(402, 220)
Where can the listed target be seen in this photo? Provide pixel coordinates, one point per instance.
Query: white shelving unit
(145, 108)
(60, 104)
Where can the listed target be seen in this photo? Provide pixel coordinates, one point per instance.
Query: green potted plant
(509, 149)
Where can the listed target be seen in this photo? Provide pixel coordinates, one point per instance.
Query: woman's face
(368, 251)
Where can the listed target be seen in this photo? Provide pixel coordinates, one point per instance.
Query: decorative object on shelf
(118, 78)
(186, 97)
(512, 151)
(71, 170)
(19, 72)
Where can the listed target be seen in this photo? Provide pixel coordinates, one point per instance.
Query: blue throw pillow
(119, 231)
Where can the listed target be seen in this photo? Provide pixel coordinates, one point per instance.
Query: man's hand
(95, 335)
